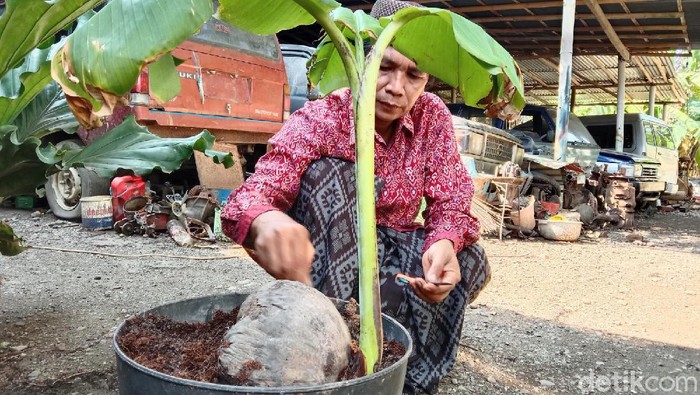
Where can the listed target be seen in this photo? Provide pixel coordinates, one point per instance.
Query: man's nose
(395, 84)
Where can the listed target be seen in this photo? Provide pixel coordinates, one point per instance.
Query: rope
(196, 258)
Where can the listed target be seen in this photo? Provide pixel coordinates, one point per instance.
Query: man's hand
(440, 265)
(282, 246)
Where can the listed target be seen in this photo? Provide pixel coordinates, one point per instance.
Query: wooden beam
(608, 29)
(580, 38)
(633, 103)
(647, 28)
(661, 68)
(507, 6)
(556, 17)
(532, 53)
(592, 86)
(597, 46)
(644, 70)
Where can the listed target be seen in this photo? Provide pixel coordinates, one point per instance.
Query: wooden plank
(216, 176)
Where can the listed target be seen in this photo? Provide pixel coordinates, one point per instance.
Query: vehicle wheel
(65, 188)
(543, 187)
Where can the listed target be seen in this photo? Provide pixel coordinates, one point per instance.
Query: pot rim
(271, 390)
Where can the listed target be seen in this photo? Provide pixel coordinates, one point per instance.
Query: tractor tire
(543, 187)
(65, 188)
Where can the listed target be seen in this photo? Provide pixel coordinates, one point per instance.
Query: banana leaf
(27, 24)
(46, 114)
(20, 85)
(132, 147)
(21, 170)
(270, 16)
(103, 58)
(10, 244)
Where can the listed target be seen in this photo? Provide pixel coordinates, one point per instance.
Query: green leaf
(352, 23)
(109, 51)
(47, 113)
(103, 58)
(20, 85)
(326, 70)
(131, 146)
(26, 24)
(21, 171)
(10, 244)
(460, 53)
(163, 80)
(269, 16)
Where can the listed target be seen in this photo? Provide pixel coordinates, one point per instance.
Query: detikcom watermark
(636, 382)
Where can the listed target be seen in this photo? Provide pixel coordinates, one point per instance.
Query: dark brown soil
(190, 350)
(181, 349)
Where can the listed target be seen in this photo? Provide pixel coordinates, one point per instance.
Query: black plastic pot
(135, 379)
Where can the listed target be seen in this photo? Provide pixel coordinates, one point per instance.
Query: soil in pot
(189, 350)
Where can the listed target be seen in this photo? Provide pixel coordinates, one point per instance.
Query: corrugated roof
(649, 33)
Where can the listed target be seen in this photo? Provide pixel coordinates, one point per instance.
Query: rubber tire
(541, 178)
(90, 184)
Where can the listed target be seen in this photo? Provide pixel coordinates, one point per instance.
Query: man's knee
(476, 271)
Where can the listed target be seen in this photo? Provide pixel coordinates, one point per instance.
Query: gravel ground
(571, 318)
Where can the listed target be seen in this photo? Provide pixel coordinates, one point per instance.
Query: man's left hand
(440, 265)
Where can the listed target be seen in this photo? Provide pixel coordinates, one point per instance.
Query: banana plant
(441, 43)
(32, 107)
(458, 52)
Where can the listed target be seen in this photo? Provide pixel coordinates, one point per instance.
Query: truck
(583, 150)
(234, 85)
(644, 136)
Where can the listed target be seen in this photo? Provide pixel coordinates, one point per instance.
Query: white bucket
(97, 212)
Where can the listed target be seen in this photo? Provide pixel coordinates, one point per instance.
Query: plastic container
(24, 202)
(96, 212)
(122, 189)
(136, 379)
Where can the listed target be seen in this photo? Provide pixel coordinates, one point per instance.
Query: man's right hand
(282, 246)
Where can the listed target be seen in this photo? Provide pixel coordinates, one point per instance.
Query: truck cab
(644, 136)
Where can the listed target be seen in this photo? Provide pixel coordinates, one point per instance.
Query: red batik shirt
(421, 160)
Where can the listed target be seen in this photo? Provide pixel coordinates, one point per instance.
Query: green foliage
(21, 170)
(102, 60)
(28, 24)
(441, 43)
(132, 147)
(10, 244)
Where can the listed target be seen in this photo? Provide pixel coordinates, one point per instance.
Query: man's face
(399, 85)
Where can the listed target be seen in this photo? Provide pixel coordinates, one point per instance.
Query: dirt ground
(608, 314)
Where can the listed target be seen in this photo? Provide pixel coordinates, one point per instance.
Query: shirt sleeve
(275, 183)
(448, 188)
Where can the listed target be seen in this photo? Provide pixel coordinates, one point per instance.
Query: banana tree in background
(33, 107)
(99, 64)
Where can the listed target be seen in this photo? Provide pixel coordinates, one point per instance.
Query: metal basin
(136, 379)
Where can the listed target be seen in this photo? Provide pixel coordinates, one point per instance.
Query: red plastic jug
(123, 189)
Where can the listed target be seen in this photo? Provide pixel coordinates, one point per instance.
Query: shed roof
(648, 34)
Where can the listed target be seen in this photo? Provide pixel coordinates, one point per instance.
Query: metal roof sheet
(651, 31)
